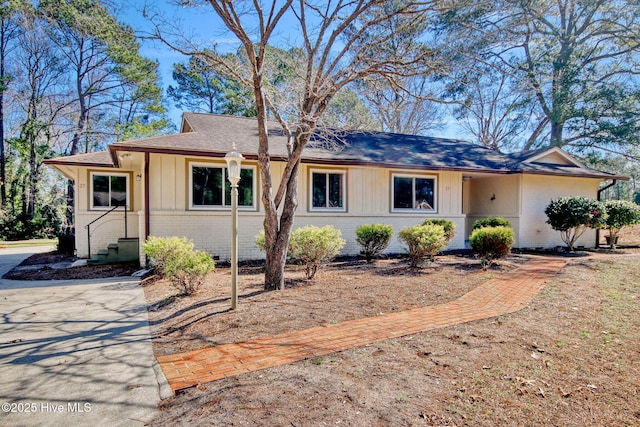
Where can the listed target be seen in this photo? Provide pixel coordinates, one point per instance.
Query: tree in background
(10, 12)
(409, 106)
(347, 111)
(115, 89)
(37, 72)
(201, 89)
(78, 83)
(493, 110)
(575, 59)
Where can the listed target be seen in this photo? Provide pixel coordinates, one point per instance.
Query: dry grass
(572, 358)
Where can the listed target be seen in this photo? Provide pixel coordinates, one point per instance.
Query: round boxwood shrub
(424, 241)
(494, 221)
(374, 238)
(175, 259)
(448, 226)
(314, 246)
(310, 246)
(491, 243)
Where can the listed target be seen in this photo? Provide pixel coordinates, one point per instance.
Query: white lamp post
(234, 160)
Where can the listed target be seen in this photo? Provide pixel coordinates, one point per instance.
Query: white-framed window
(327, 190)
(412, 193)
(109, 190)
(209, 187)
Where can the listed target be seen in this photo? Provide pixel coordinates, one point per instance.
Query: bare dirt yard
(572, 358)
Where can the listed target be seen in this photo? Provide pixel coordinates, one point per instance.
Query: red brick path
(492, 298)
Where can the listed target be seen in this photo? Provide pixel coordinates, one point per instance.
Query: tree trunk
(556, 134)
(3, 175)
(33, 181)
(75, 144)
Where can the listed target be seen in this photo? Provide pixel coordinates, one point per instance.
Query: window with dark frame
(327, 190)
(414, 193)
(210, 187)
(108, 191)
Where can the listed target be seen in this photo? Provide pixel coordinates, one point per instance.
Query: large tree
(112, 82)
(38, 71)
(77, 82)
(408, 105)
(10, 11)
(115, 90)
(201, 88)
(493, 110)
(338, 43)
(577, 59)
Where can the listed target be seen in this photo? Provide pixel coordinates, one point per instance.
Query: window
(414, 193)
(109, 190)
(327, 190)
(210, 187)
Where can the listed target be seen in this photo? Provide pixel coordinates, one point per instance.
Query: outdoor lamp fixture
(234, 161)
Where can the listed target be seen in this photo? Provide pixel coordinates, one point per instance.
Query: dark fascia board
(89, 164)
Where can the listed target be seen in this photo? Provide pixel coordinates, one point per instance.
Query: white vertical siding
(368, 200)
(538, 191)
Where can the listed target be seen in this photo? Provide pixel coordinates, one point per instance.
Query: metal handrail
(88, 226)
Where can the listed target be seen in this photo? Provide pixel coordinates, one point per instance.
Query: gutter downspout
(147, 214)
(600, 191)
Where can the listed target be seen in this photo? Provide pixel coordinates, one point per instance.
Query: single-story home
(175, 186)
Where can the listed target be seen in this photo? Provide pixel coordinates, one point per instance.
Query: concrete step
(126, 250)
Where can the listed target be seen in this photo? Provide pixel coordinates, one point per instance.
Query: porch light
(234, 161)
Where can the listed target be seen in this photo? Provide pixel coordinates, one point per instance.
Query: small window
(109, 190)
(210, 187)
(327, 190)
(414, 193)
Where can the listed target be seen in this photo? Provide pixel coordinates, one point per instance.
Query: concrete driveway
(75, 352)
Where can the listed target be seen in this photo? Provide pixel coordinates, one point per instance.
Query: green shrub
(572, 216)
(261, 241)
(491, 243)
(374, 238)
(494, 221)
(424, 241)
(175, 259)
(620, 214)
(448, 226)
(162, 249)
(314, 246)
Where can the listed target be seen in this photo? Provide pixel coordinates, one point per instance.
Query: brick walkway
(492, 298)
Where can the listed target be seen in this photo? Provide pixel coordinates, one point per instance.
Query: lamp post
(234, 160)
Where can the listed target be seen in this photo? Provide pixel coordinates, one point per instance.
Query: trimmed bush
(572, 216)
(494, 221)
(491, 243)
(175, 259)
(261, 241)
(162, 249)
(374, 238)
(424, 241)
(620, 214)
(313, 247)
(448, 226)
(188, 271)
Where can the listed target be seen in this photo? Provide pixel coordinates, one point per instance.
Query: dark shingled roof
(215, 135)
(97, 159)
